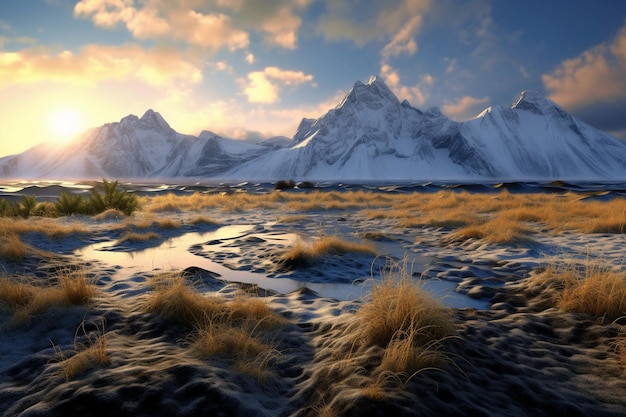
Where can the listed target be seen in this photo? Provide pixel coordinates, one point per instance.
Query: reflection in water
(174, 254)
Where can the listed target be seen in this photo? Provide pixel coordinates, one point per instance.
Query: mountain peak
(154, 118)
(536, 103)
(374, 91)
(527, 97)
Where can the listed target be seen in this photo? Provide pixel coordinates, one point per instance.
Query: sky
(252, 69)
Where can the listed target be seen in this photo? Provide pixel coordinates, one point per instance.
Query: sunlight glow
(64, 124)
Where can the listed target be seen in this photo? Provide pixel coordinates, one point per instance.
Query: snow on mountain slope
(536, 139)
(369, 135)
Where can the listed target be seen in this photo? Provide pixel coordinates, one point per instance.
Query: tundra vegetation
(110, 197)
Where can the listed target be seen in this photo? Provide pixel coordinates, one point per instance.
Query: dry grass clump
(91, 353)
(333, 200)
(503, 218)
(135, 237)
(14, 293)
(12, 248)
(587, 288)
(303, 255)
(110, 214)
(175, 297)
(397, 333)
(499, 230)
(597, 292)
(203, 220)
(169, 224)
(221, 327)
(26, 300)
(203, 201)
(407, 322)
(292, 219)
(53, 228)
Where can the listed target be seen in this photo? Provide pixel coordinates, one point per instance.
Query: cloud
(595, 76)
(154, 19)
(223, 66)
(416, 94)
(592, 85)
(264, 86)
(94, 63)
(212, 25)
(395, 22)
(403, 42)
(464, 108)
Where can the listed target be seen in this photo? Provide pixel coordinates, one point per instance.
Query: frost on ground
(513, 353)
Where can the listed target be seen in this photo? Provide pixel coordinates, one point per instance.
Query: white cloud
(94, 63)
(595, 76)
(416, 94)
(395, 21)
(465, 107)
(264, 86)
(223, 66)
(212, 24)
(250, 59)
(156, 19)
(403, 42)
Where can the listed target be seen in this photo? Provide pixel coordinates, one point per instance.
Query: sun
(64, 124)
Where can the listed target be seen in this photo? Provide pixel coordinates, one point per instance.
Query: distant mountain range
(369, 135)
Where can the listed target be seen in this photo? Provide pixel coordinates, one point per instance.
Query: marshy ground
(366, 303)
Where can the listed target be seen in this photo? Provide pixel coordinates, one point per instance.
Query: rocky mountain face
(369, 135)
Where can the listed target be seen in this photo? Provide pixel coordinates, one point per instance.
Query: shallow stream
(174, 254)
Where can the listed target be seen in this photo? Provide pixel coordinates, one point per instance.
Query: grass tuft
(27, 300)
(399, 310)
(587, 287)
(92, 352)
(135, 237)
(12, 248)
(303, 255)
(235, 328)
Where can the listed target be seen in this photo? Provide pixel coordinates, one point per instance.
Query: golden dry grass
(499, 230)
(598, 293)
(399, 331)
(478, 215)
(302, 254)
(53, 228)
(86, 355)
(202, 202)
(203, 220)
(405, 320)
(588, 288)
(168, 224)
(176, 298)
(499, 218)
(235, 327)
(12, 248)
(135, 237)
(110, 214)
(26, 300)
(292, 219)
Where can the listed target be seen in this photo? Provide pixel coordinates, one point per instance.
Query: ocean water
(50, 190)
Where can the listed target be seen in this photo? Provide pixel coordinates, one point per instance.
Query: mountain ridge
(369, 135)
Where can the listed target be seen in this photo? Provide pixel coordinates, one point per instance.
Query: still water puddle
(173, 254)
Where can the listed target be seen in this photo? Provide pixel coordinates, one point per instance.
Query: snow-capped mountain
(135, 148)
(369, 135)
